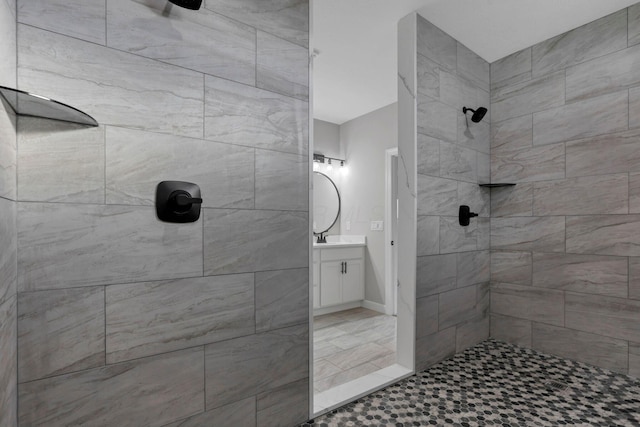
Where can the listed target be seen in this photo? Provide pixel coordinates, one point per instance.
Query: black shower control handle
(186, 200)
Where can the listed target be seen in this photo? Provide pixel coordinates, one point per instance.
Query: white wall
(326, 140)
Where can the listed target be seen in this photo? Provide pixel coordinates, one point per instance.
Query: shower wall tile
(605, 194)
(243, 367)
(434, 348)
(202, 41)
(456, 306)
(511, 69)
(528, 164)
(484, 168)
(527, 302)
(115, 87)
(428, 77)
(634, 108)
(177, 314)
(596, 116)
(511, 267)
(606, 74)
(8, 254)
(64, 246)
(81, 19)
(598, 350)
(60, 331)
(454, 238)
(8, 151)
(436, 45)
(9, 362)
(437, 196)
(428, 235)
(225, 173)
(437, 119)
(512, 201)
(282, 298)
(241, 413)
(473, 268)
(484, 234)
(281, 181)
(472, 67)
(634, 25)
(458, 163)
(457, 91)
(8, 45)
(511, 329)
(151, 391)
(595, 39)
(634, 359)
(288, 19)
(604, 235)
(592, 274)
(613, 153)
(47, 149)
(428, 152)
(239, 241)
(543, 234)
(244, 115)
(288, 404)
(282, 66)
(436, 274)
(427, 316)
(472, 135)
(478, 198)
(634, 277)
(527, 97)
(473, 332)
(512, 133)
(608, 316)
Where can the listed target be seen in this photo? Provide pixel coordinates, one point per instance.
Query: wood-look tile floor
(350, 344)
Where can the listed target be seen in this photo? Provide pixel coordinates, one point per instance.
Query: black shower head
(188, 4)
(478, 114)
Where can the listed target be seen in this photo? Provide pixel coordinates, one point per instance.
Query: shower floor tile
(498, 384)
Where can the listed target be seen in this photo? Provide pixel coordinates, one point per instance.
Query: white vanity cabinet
(341, 275)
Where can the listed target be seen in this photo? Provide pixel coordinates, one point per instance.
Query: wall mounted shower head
(478, 114)
(188, 4)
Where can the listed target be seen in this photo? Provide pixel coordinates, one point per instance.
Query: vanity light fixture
(321, 159)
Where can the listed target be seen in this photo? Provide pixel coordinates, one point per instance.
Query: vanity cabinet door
(330, 283)
(316, 285)
(353, 281)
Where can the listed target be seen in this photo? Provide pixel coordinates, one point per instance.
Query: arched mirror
(326, 203)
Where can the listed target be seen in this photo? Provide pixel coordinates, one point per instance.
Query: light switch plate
(377, 225)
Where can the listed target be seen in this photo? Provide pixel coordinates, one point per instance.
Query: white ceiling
(355, 70)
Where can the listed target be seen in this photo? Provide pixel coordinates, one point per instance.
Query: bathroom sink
(342, 241)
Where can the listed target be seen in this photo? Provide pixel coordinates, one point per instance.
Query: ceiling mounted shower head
(188, 4)
(478, 114)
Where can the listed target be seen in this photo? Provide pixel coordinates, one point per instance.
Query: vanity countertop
(341, 241)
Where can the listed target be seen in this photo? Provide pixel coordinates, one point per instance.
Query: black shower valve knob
(465, 214)
(178, 201)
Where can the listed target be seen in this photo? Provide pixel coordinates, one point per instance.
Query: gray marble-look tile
(285, 406)
(245, 115)
(437, 119)
(241, 413)
(288, 19)
(151, 391)
(282, 298)
(476, 136)
(354, 356)
(9, 363)
(115, 87)
(436, 274)
(633, 30)
(428, 152)
(484, 233)
(512, 201)
(428, 235)
(512, 133)
(426, 316)
(511, 69)
(428, 77)
(456, 306)
(598, 350)
(511, 329)
(603, 235)
(457, 91)
(281, 181)
(323, 368)
(484, 168)
(47, 149)
(243, 367)
(608, 316)
(528, 97)
(634, 277)
(544, 234)
(64, 246)
(239, 241)
(511, 267)
(610, 73)
(8, 44)
(435, 44)
(597, 38)
(606, 154)
(472, 67)
(593, 274)
(8, 151)
(9, 252)
(458, 163)
(225, 173)
(60, 331)
(202, 41)
(634, 360)
(437, 196)
(177, 314)
(473, 268)
(527, 164)
(456, 238)
(344, 377)
(81, 19)
(476, 197)
(634, 108)
(527, 302)
(434, 348)
(282, 66)
(595, 116)
(472, 333)
(604, 194)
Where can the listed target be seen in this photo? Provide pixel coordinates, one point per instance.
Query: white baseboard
(374, 306)
(336, 308)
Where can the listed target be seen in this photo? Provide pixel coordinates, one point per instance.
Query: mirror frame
(315, 233)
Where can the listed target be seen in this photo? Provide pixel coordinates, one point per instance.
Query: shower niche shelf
(28, 104)
(497, 185)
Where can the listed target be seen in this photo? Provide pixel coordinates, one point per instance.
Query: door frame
(389, 300)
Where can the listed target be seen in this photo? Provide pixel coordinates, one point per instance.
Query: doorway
(391, 233)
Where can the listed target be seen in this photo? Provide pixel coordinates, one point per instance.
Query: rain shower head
(188, 4)
(478, 114)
